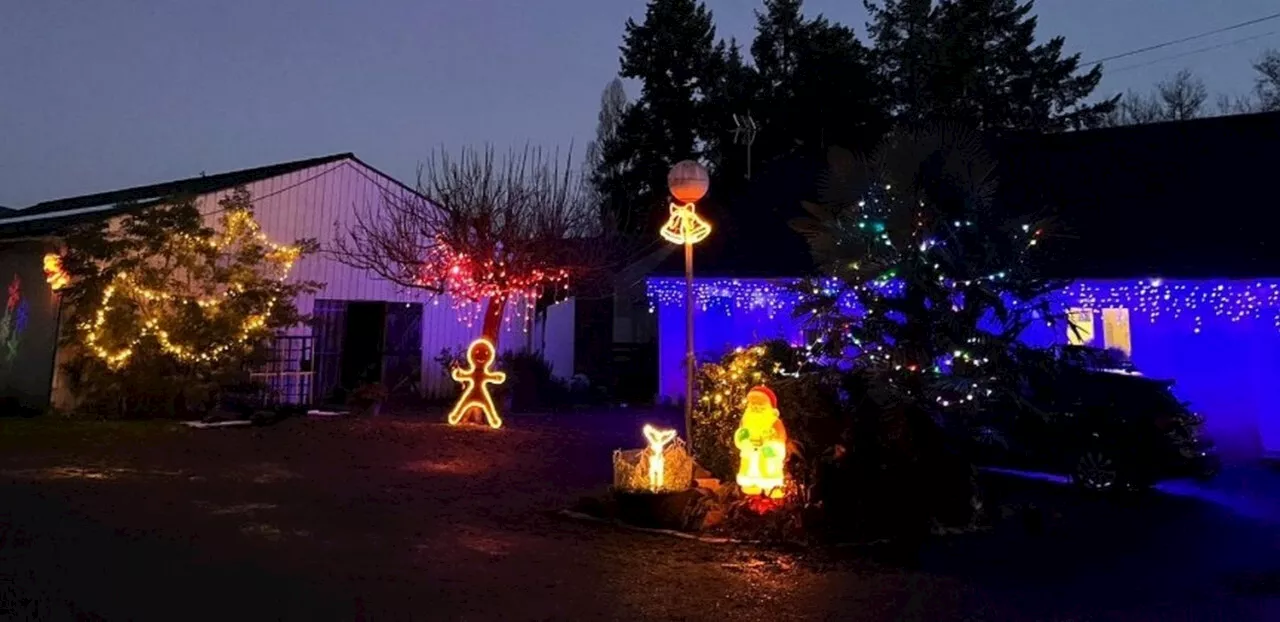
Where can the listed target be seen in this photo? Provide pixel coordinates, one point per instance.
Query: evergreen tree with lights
(927, 287)
(160, 307)
(925, 291)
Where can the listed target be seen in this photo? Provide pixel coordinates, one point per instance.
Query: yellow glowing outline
(475, 390)
(54, 275)
(658, 440)
(685, 225)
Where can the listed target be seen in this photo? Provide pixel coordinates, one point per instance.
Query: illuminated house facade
(1219, 339)
(1167, 233)
(362, 327)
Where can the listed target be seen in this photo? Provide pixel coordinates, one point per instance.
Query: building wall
(1218, 340)
(28, 327)
(325, 201)
(554, 337)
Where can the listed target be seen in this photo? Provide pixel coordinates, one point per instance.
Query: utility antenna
(744, 133)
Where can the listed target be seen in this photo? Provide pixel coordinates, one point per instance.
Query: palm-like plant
(927, 286)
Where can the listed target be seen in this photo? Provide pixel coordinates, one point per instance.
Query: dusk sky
(97, 96)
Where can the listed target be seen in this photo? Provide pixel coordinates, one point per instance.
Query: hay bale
(631, 469)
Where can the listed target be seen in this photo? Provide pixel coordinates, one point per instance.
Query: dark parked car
(1106, 429)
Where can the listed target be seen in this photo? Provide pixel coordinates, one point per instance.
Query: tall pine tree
(674, 55)
(977, 62)
(817, 85)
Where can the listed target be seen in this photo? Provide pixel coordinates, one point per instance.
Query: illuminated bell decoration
(54, 275)
(688, 181)
(761, 439)
(685, 226)
(475, 382)
(664, 466)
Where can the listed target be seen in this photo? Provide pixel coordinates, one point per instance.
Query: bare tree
(1266, 85)
(1177, 98)
(1236, 105)
(1182, 96)
(1265, 95)
(481, 228)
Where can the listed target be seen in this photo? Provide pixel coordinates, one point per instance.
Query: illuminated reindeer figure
(658, 440)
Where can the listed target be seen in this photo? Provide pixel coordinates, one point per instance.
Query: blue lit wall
(1219, 340)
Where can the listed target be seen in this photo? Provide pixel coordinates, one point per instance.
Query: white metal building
(358, 320)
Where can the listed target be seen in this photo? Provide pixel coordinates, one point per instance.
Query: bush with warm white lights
(160, 307)
(807, 402)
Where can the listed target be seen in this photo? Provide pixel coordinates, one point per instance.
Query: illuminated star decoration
(685, 226)
(54, 275)
(658, 440)
(475, 381)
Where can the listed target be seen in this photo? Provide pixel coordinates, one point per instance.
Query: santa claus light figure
(761, 440)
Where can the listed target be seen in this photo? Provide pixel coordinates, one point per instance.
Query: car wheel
(1096, 471)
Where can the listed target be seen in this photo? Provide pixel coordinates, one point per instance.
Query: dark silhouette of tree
(674, 55)
(1178, 98)
(1267, 83)
(1265, 95)
(978, 62)
(817, 86)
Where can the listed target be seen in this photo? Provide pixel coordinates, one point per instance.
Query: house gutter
(70, 212)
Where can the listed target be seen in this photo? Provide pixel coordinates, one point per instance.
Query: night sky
(103, 95)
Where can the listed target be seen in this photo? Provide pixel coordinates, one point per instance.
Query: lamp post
(688, 182)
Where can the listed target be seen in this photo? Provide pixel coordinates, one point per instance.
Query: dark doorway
(361, 342)
(402, 349)
(329, 323)
(362, 345)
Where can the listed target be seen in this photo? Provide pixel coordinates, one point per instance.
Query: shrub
(161, 308)
(808, 401)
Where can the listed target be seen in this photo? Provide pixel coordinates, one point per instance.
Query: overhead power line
(1192, 52)
(1166, 44)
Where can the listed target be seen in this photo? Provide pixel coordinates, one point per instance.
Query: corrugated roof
(50, 216)
(203, 184)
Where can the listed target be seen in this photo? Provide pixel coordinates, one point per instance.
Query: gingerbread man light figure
(658, 440)
(475, 384)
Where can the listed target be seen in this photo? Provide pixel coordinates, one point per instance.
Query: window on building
(1115, 330)
(1080, 330)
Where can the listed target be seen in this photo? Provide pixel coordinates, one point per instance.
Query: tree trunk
(493, 320)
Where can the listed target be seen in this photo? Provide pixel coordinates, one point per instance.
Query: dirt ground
(396, 519)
